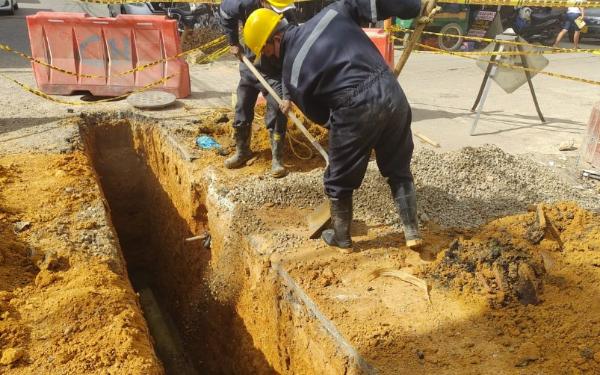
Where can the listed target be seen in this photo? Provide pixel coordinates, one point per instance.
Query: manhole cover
(151, 99)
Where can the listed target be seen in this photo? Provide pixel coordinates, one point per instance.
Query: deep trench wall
(155, 206)
(283, 322)
(234, 311)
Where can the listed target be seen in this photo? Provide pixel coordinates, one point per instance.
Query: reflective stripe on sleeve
(321, 25)
(373, 11)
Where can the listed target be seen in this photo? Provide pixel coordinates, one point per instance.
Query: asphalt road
(13, 29)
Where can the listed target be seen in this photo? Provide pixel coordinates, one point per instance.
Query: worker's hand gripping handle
(291, 114)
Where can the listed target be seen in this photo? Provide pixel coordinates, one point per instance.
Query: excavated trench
(214, 305)
(153, 209)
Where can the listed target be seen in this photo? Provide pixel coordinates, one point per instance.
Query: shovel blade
(319, 219)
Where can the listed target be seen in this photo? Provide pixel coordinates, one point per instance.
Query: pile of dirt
(299, 154)
(489, 183)
(505, 272)
(507, 259)
(199, 37)
(482, 315)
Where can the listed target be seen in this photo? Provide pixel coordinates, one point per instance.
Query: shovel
(320, 218)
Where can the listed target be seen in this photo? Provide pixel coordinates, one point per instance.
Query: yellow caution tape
(507, 42)
(213, 43)
(60, 101)
(530, 3)
(213, 56)
(511, 66)
(506, 53)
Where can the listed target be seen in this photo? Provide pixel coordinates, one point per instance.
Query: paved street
(13, 30)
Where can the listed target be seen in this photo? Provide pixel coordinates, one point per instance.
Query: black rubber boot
(242, 148)
(341, 218)
(277, 143)
(406, 204)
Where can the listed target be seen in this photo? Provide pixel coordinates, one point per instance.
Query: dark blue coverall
(231, 13)
(337, 77)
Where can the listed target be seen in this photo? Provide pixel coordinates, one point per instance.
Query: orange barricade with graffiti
(109, 56)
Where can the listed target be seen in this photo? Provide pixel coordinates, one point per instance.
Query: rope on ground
(511, 66)
(67, 102)
(292, 139)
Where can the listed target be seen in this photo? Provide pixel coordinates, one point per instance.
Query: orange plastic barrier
(384, 44)
(592, 147)
(105, 47)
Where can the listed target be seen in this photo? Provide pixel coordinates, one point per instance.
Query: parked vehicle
(537, 24)
(453, 19)
(202, 15)
(8, 6)
(188, 15)
(592, 21)
(157, 8)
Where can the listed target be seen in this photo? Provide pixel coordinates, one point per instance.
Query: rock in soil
(11, 355)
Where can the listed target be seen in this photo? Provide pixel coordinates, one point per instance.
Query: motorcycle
(201, 16)
(538, 25)
(188, 15)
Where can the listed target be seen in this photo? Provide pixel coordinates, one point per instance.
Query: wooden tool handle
(290, 114)
(414, 39)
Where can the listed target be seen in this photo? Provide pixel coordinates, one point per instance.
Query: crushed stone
(463, 188)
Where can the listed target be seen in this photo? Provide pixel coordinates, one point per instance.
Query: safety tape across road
(530, 3)
(507, 42)
(68, 102)
(212, 43)
(535, 51)
(511, 66)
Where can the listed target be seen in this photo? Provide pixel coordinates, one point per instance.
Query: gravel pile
(462, 188)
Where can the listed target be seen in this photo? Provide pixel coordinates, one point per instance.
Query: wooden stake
(426, 139)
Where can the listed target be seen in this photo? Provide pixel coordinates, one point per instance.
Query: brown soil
(509, 297)
(508, 258)
(61, 311)
(503, 301)
(155, 206)
(300, 156)
(198, 38)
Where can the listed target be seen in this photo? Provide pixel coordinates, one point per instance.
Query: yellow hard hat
(258, 28)
(281, 5)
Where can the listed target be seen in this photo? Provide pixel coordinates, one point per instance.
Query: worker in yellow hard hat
(334, 73)
(232, 12)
